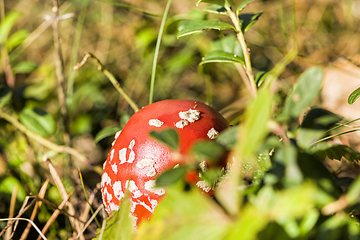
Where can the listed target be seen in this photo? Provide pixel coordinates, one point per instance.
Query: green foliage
(187, 27)
(220, 56)
(38, 121)
(354, 96)
(106, 132)
(304, 93)
(169, 137)
(279, 182)
(120, 225)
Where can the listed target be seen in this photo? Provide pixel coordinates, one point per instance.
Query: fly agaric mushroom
(136, 159)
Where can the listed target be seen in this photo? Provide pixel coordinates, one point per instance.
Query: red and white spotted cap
(136, 159)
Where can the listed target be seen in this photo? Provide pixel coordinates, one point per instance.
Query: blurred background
(122, 35)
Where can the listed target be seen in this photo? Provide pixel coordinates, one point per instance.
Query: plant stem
(41, 140)
(249, 81)
(59, 67)
(157, 48)
(111, 77)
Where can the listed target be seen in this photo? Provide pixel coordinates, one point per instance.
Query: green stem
(111, 77)
(241, 38)
(157, 48)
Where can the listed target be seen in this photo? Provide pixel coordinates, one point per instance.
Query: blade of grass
(75, 48)
(157, 48)
(87, 199)
(90, 220)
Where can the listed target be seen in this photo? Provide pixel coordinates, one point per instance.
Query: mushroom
(136, 159)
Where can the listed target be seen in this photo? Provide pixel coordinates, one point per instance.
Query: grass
(124, 38)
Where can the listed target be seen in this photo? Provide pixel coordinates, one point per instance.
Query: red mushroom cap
(136, 159)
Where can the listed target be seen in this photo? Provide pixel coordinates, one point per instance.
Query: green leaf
(288, 157)
(254, 127)
(216, 9)
(207, 150)
(6, 25)
(228, 137)
(171, 176)
(260, 77)
(353, 193)
(106, 132)
(248, 19)
(354, 96)
(304, 93)
(120, 224)
(228, 44)
(8, 184)
(220, 56)
(38, 121)
(187, 27)
(316, 122)
(242, 5)
(16, 39)
(218, 2)
(168, 136)
(24, 67)
(334, 151)
(5, 95)
(185, 215)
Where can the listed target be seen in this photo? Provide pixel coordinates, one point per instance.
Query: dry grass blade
(12, 210)
(71, 210)
(54, 216)
(31, 222)
(90, 220)
(35, 210)
(22, 210)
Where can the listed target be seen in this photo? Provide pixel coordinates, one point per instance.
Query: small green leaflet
(218, 9)
(221, 56)
(168, 136)
(6, 25)
(38, 121)
(218, 2)
(120, 224)
(207, 150)
(305, 92)
(187, 27)
(354, 96)
(248, 19)
(242, 5)
(334, 151)
(106, 132)
(171, 176)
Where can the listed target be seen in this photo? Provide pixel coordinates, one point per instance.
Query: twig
(74, 222)
(12, 209)
(59, 67)
(31, 222)
(22, 210)
(111, 77)
(34, 212)
(54, 216)
(43, 141)
(90, 220)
